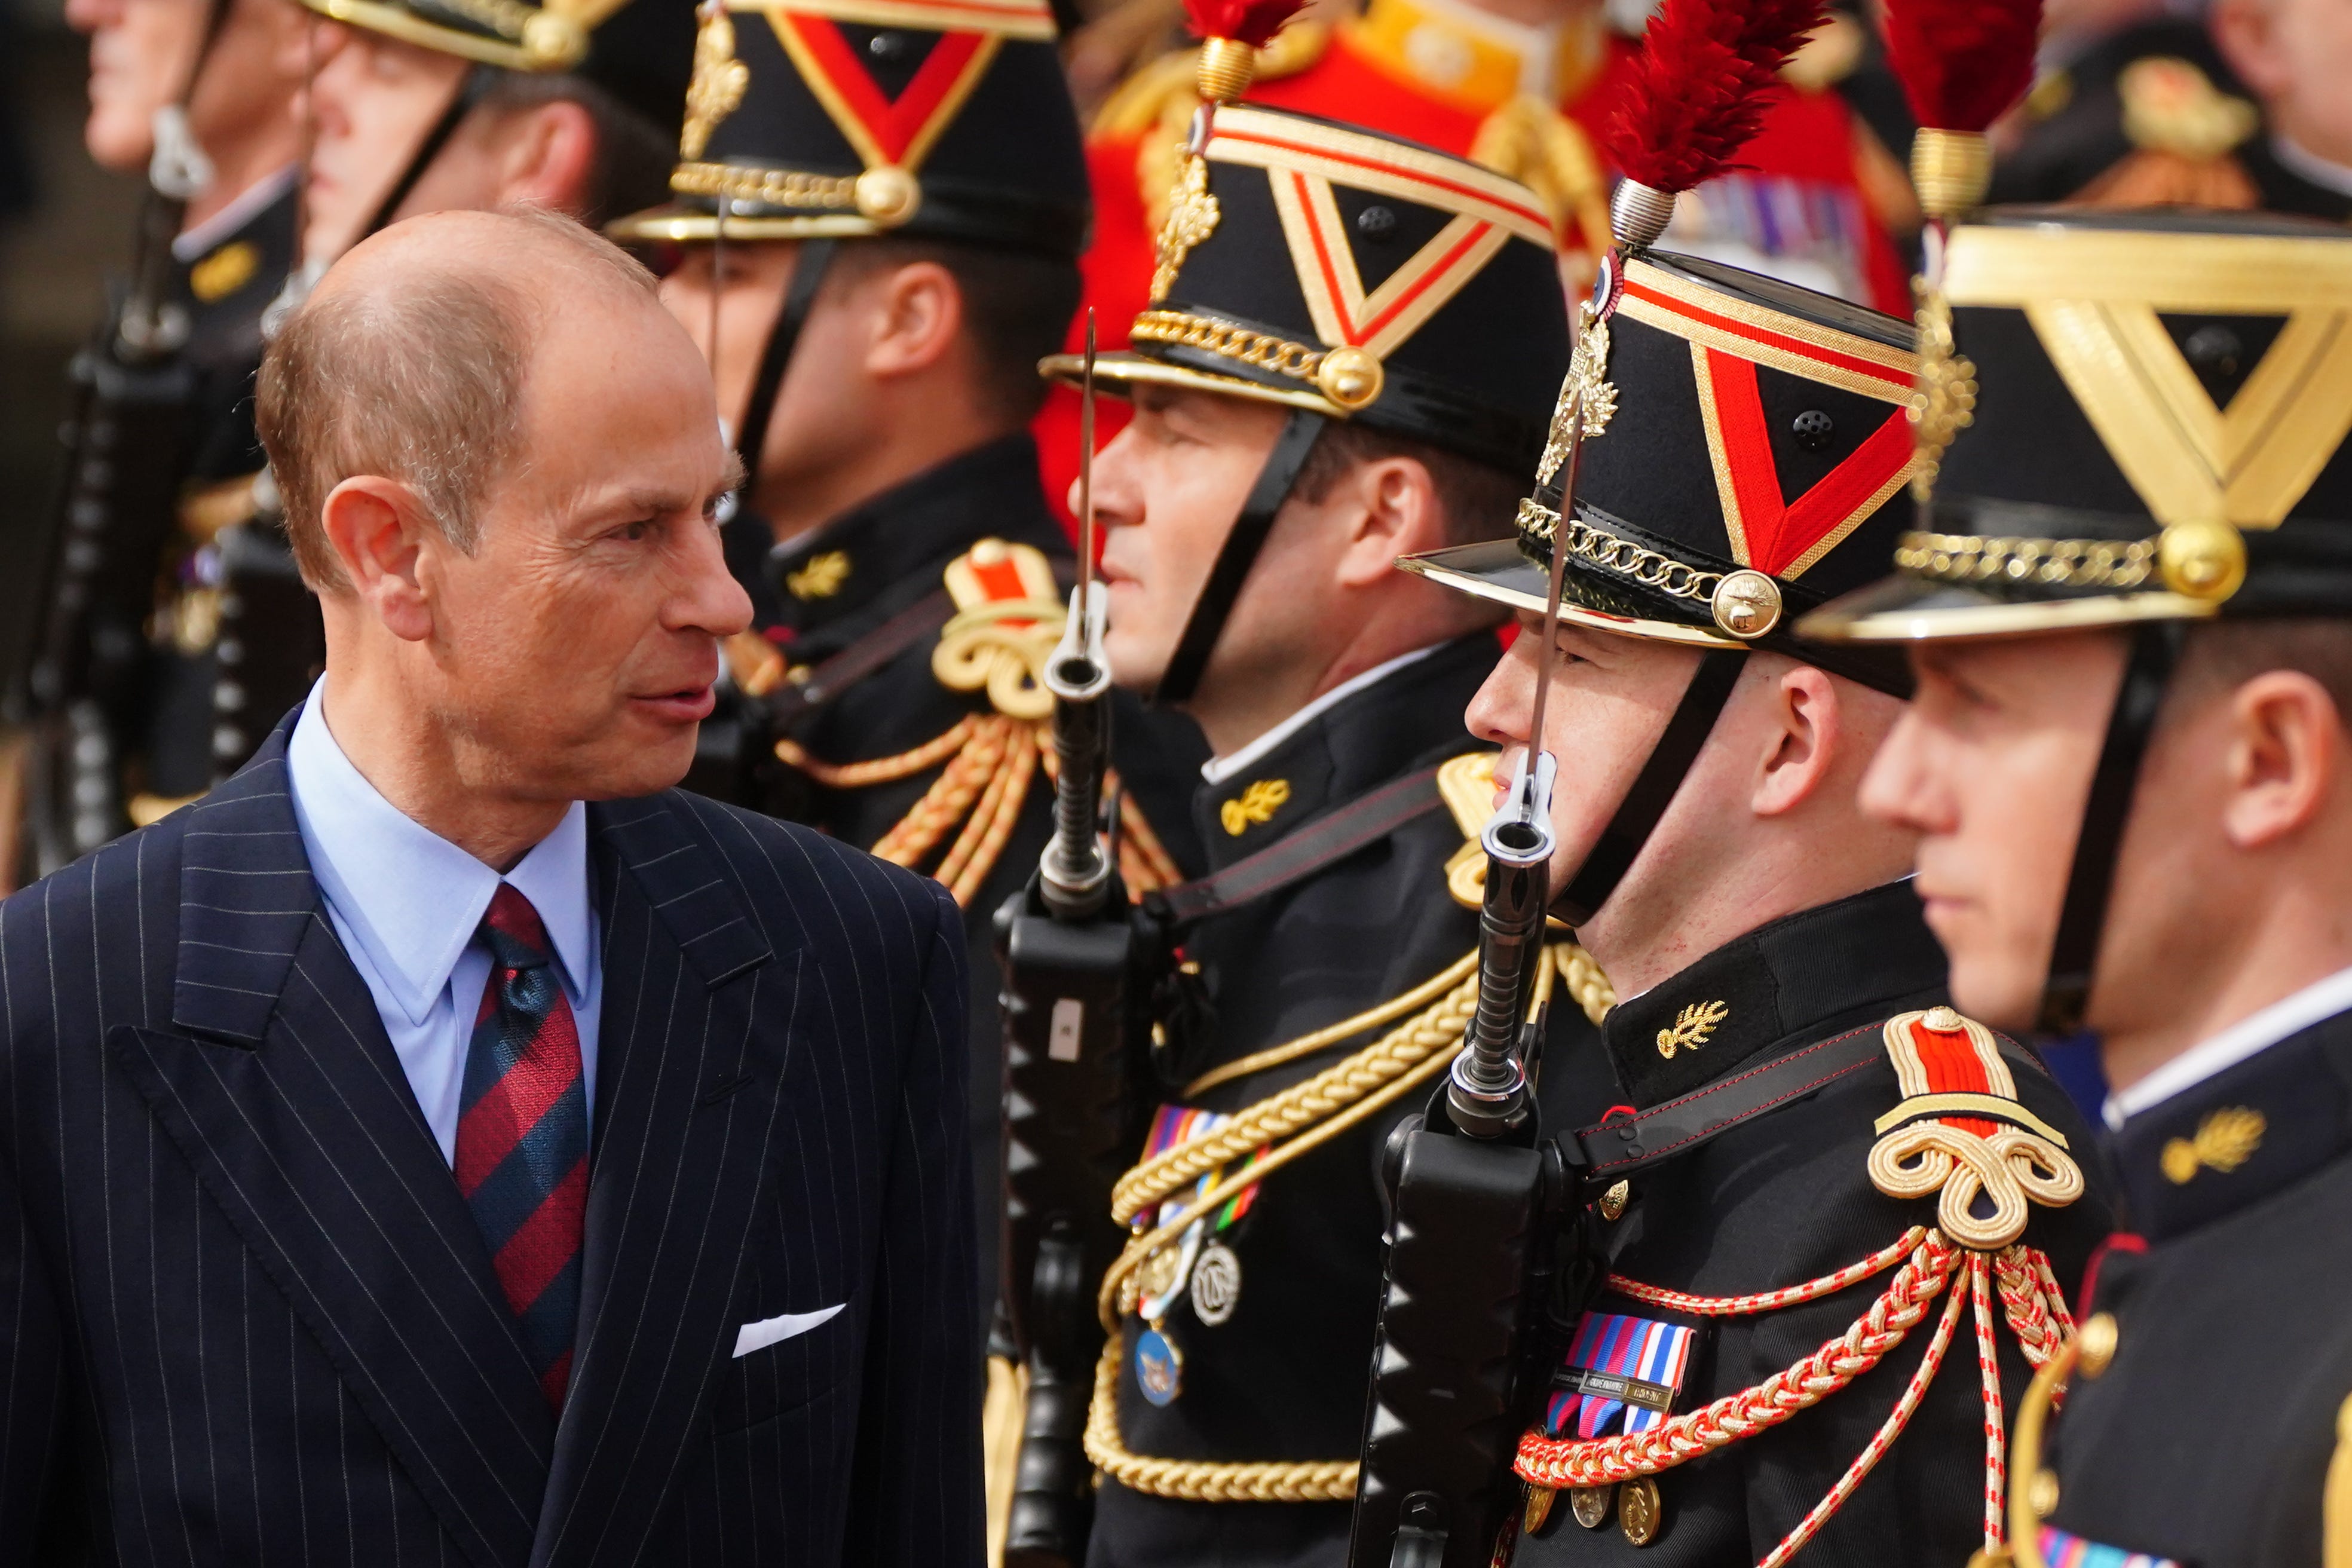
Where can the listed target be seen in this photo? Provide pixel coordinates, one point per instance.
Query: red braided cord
(1996, 1434)
(1769, 1300)
(1892, 1429)
(1568, 1462)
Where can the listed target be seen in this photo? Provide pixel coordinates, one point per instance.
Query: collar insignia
(225, 271)
(821, 578)
(1692, 1027)
(2225, 1140)
(1257, 803)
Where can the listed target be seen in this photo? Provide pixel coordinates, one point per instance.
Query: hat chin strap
(1654, 787)
(2090, 881)
(809, 267)
(471, 89)
(1236, 556)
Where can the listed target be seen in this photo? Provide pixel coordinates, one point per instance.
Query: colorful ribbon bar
(1618, 1365)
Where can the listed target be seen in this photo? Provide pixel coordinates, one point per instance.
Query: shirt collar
(2247, 1037)
(241, 209)
(2325, 173)
(410, 898)
(1217, 770)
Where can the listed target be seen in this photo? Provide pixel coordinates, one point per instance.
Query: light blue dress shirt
(406, 904)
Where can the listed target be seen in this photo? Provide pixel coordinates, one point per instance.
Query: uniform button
(2041, 1493)
(2094, 1344)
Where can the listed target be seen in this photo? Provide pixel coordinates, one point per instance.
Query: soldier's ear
(1394, 510)
(1805, 740)
(2285, 761)
(546, 156)
(916, 319)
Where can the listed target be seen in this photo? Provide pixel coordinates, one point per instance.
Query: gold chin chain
(1667, 575)
(1970, 558)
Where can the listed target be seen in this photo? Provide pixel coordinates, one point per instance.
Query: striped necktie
(522, 1136)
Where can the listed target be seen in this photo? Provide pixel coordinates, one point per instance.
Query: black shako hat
(1743, 443)
(2125, 418)
(1339, 271)
(829, 119)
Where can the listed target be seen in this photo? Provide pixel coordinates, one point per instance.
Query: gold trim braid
(1180, 328)
(772, 187)
(1970, 559)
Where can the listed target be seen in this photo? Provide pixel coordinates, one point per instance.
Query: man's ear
(2247, 36)
(917, 317)
(376, 528)
(1394, 511)
(547, 156)
(2286, 757)
(1808, 726)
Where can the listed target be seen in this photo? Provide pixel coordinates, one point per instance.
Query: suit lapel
(281, 1089)
(697, 1011)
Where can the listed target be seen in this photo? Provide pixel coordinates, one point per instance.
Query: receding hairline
(523, 251)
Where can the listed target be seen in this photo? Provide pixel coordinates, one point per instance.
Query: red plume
(1252, 22)
(1700, 86)
(1962, 62)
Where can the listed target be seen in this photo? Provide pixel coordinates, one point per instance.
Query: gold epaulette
(1533, 142)
(1156, 105)
(1008, 618)
(1960, 1133)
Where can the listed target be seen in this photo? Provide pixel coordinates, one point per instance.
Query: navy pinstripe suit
(245, 1317)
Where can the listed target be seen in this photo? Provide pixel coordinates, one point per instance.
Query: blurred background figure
(2169, 103)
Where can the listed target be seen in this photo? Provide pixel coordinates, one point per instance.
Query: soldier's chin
(1999, 992)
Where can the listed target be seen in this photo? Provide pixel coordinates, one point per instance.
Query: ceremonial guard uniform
(1327, 971)
(1813, 1170)
(889, 692)
(2130, 458)
(1819, 195)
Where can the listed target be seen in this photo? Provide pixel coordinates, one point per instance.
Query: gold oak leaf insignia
(1193, 215)
(1587, 384)
(2225, 1140)
(1257, 804)
(822, 578)
(1692, 1027)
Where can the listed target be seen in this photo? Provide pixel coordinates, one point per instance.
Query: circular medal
(1639, 1509)
(1158, 1275)
(1590, 1505)
(1158, 1367)
(1216, 1283)
(1537, 1509)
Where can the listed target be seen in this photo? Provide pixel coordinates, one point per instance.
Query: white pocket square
(767, 1331)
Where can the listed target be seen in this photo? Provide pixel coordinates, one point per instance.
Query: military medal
(1158, 1368)
(1638, 1510)
(1590, 1505)
(1216, 1283)
(1537, 1509)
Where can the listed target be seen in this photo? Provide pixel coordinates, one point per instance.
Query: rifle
(127, 437)
(1074, 1040)
(1475, 1195)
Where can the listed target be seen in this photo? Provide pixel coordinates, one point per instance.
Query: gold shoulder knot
(1961, 1133)
(1008, 619)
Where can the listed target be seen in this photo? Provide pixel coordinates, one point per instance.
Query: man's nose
(1119, 494)
(709, 598)
(88, 17)
(1895, 786)
(1504, 706)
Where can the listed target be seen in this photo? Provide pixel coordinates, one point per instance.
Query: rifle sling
(789, 704)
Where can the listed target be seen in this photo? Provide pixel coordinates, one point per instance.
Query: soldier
(427, 107)
(904, 204)
(1813, 1159)
(1352, 348)
(2127, 764)
(1525, 90)
(199, 94)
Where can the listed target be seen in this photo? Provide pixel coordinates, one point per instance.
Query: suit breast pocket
(785, 1359)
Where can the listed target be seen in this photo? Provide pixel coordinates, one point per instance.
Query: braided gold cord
(1981, 1271)
(1585, 982)
(1202, 1480)
(1302, 1104)
(973, 855)
(1565, 1462)
(1445, 1022)
(1395, 1007)
(950, 798)
(880, 770)
(1769, 1300)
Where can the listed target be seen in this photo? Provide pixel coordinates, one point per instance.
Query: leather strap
(1236, 556)
(2082, 917)
(471, 91)
(1296, 857)
(1620, 1146)
(1654, 787)
(809, 268)
(789, 703)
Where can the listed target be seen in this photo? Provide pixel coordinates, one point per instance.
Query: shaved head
(410, 359)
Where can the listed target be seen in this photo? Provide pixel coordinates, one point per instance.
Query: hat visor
(1124, 370)
(398, 22)
(1497, 570)
(679, 224)
(1903, 609)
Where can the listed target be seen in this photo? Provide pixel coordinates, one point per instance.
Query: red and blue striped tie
(522, 1138)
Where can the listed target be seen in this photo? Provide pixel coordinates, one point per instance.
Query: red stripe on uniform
(893, 124)
(1779, 532)
(1416, 175)
(1813, 351)
(1953, 1067)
